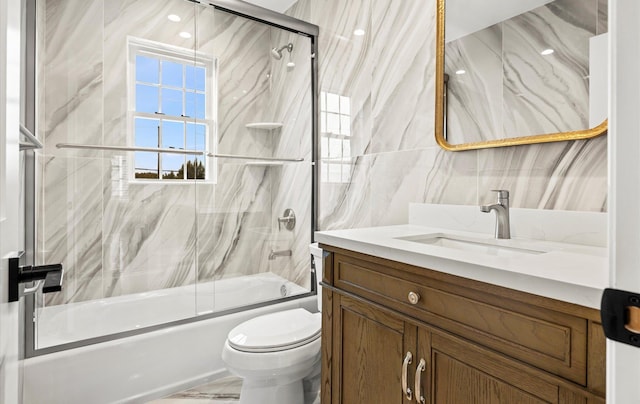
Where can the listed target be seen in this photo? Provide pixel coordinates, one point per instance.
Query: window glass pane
(146, 132)
(345, 172)
(172, 74)
(172, 102)
(196, 78)
(173, 166)
(334, 172)
(196, 136)
(333, 123)
(323, 101)
(346, 149)
(200, 168)
(195, 105)
(147, 69)
(335, 148)
(345, 125)
(324, 172)
(324, 147)
(345, 105)
(323, 122)
(333, 103)
(146, 98)
(172, 135)
(195, 169)
(146, 165)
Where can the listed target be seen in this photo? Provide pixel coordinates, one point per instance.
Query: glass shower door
(126, 112)
(250, 252)
(176, 179)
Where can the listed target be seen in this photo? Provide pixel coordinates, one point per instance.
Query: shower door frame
(235, 7)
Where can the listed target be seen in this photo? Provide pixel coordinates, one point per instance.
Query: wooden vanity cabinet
(486, 349)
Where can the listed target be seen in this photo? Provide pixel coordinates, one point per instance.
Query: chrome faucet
(503, 229)
(281, 253)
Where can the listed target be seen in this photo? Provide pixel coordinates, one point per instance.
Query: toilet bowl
(278, 354)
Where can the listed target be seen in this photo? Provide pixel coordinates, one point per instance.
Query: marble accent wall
(116, 236)
(389, 75)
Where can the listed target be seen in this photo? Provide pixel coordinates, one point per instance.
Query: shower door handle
(51, 274)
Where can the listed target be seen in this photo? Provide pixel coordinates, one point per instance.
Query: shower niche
(175, 134)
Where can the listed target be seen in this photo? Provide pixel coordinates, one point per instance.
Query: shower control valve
(288, 219)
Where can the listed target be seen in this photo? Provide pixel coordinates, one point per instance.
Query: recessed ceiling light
(461, 71)
(359, 32)
(185, 35)
(174, 18)
(547, 52)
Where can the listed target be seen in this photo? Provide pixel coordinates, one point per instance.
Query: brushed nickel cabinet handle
(418, 381)
(413, 297)
(405, 364)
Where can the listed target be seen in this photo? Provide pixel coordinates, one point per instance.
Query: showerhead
(276, 53)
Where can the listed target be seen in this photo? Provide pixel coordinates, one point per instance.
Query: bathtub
(153, 364)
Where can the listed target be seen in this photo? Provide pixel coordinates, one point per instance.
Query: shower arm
(175, 151)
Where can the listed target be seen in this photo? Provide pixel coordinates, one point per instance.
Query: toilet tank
(316, 253)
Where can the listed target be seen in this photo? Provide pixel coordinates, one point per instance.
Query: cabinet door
(462, 372)
(369, 347)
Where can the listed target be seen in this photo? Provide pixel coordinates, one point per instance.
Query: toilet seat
(275, 332)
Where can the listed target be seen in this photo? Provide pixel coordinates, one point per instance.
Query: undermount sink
(492, 247)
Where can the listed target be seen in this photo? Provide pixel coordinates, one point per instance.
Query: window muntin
(172, 103)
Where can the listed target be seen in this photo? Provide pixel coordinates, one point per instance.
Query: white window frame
(136, 46)
(343, 161)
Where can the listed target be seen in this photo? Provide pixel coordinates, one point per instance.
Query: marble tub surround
(118, 236)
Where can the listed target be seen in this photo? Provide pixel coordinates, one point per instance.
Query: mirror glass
(525, 71)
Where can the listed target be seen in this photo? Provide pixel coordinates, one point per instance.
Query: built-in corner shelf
(264, 125)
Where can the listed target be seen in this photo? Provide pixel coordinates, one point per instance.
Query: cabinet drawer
(549, 340)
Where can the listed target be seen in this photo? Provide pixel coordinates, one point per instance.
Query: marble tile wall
(389, 75)
(292, 182)
(106, 237)
(118, 237)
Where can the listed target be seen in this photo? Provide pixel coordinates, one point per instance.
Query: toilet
(278, 354)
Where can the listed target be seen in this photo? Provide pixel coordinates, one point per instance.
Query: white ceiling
(276, 5)
(464, 17)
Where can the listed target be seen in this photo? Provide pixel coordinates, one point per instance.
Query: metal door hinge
(620, 314)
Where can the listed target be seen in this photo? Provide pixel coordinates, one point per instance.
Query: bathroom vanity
(410, 317)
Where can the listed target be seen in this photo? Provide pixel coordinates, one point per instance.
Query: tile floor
(221, 391)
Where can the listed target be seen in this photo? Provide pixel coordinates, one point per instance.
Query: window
(335, 128)
(172, 102)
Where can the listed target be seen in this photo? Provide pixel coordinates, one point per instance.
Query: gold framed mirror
(512, 73)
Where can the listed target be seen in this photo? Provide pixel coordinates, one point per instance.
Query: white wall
(9, 194)
(623, 361)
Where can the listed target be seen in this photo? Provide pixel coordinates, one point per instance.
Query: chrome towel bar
(175, 151)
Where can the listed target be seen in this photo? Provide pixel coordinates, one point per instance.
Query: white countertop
(568, 272)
